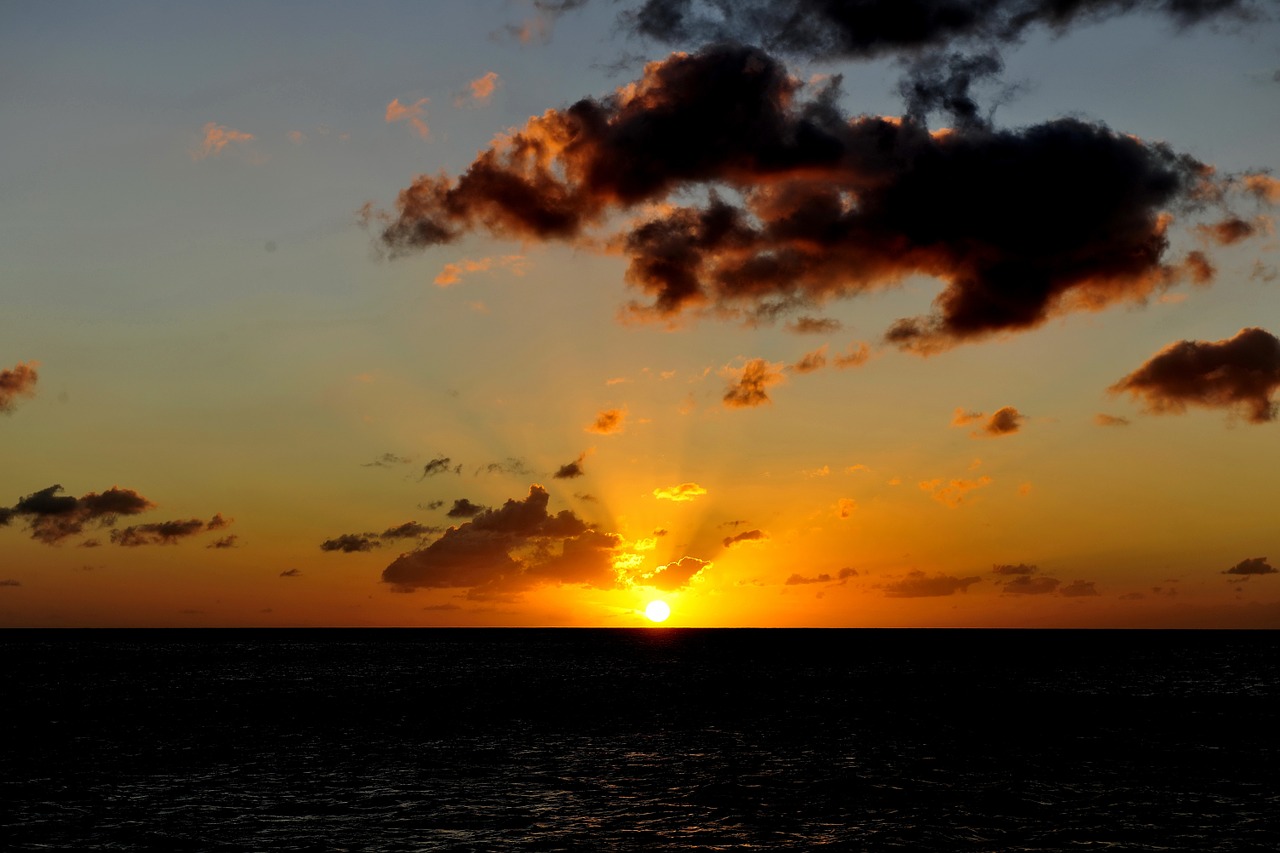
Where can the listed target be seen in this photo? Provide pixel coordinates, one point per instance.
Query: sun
(657, 611)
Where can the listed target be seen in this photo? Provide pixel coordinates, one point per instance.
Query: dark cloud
(813, 325)
(1110, 420)
(870, 28)
(918, 585)
(1252, 566)
(1005, 421)
(938, 83)
(440, 465)
(846, 573)
(675, 575)
(52, 517)
(799, 579)
(587, 497)
(608, 422)
(570, 470)
(229, 541)
(408, 530)
(291, 573)
(431, 505)
(510, 548)
(512, 466)
(1024, 585)
(1231, 230)
(170, 532)
(20, 381)
(1019, 225)
(387, 460)
(351, 543)
(10, 582)
(749, 385)
(1077, 589)
(1239, 373)
(157, 533)
(746, 536)
(1010, 569)
(463, 508)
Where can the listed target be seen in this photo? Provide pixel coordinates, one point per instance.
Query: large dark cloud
(870, 28)
(1019, 225)
(510, 548)
(15, 382)
(52, 516)
(1238, 373)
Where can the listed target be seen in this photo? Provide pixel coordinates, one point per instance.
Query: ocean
(654, 739)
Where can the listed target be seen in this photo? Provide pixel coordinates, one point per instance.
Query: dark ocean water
(664, 739)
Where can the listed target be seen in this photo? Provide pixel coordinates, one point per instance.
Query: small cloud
(229, 541)
(952, 492)
(1005, 421)
(1232, 230)
(291, 573)
(749, 384)
(513, 467)
(1110, 420)
(351, 543)
(617, 380)
(440, 465)
(813, 325)
(1263, 272)
(479, 90)
(845, 507)
(453, 273)
(442, 607)
(1132, 596)
(1239, 373)
(681, 493)
(164, 532)
(747, 536)
(571, 470)
(918, 585)
(856, 355)
(414, 114)
(1252, 566)
(853, 469)
(1078, 589)
(10, 582)
(586, 497)
(463, 508)
(1263, 187)
(1025, 489)
(20, 381)
(675, 575)
(608, 422)
(811, 361)
(408, 530)
(216, 138)
(387, 460)
(960, 417)
(824, 471)
(799, 579)
(1010, 569)
(297, 137)
(1023, 585)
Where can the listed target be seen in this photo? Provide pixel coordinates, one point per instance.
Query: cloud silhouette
(18, 381)
(1239, 374)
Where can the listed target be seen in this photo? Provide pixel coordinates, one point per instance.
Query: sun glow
(657, 611)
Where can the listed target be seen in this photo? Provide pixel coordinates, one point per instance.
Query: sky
(521, 312)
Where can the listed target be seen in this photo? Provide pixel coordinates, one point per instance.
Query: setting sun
(657, 611)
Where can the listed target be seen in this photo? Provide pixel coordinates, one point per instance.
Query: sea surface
(653, 739)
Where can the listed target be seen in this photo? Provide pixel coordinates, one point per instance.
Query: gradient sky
(268, 399)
